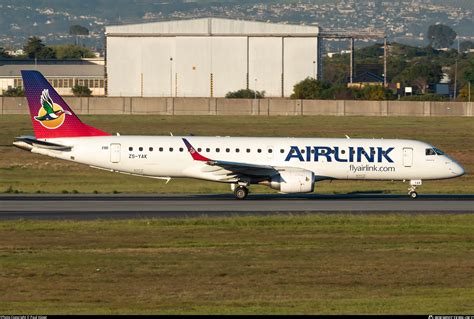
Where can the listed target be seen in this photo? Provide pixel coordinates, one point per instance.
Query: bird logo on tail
(50, 115)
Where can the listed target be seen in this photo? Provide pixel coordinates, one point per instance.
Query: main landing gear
(412, 190)
(240, 191)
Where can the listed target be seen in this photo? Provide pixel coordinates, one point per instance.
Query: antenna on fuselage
(347, 136)
(171, 134)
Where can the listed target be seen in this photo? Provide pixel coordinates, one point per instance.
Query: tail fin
(50, 115)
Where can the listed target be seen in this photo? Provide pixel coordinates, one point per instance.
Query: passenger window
(151, 149)
(218, 150)
(270, 150)
(237, 150)
(282, 151)
(130, 149)
(248, 150)
(199, 149)
(171, 149)
(343, 151)
(181, 149)
(302, 151)
(140, 149)
(227, 150)
(161, 149)
(208, 150)
(430, 152)
(259, 150)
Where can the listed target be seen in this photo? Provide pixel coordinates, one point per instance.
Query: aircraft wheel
(241, 192)
(413, 195)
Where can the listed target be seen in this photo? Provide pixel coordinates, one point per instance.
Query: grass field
(323, 264)
(22, 171)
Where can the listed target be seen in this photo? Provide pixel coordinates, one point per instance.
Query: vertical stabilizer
(50, 115)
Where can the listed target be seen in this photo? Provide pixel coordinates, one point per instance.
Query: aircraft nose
(457, 169)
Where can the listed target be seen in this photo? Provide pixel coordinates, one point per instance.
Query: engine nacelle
(293, 181)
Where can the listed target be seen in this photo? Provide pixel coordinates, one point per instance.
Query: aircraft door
(115, 153)
(407, 157)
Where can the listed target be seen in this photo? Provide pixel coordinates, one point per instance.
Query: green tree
(336, 69)
(77, 31)
(245, 94)
(420, 74)
(13, 92)
(69, 51)
(35, 48)
(466, 45)
(312, 89)
(468, 72)
(464, 93)
(82, 91)
(3, 54)
(441, 36)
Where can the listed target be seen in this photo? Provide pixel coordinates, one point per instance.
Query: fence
(263, 107)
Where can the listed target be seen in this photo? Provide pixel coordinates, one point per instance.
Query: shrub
(14, 92)
(245, 94)
(425, 97)
(374, 93)
(311, 89)
(79, 90)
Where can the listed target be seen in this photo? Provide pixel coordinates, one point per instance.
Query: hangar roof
(211, 27)
(48, 68)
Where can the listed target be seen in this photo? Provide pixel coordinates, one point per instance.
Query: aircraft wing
(230, 170)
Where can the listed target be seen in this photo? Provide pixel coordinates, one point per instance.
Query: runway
(85, 207)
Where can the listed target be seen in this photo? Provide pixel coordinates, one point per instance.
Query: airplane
(288, 165)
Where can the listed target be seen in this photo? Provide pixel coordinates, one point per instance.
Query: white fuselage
(327, 158)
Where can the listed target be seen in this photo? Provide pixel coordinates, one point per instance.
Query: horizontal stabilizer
(29, 142)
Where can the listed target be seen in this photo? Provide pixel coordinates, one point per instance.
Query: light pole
(255, 89)
(455, 79)
(469, 90)
(314, 70)
(171, 76)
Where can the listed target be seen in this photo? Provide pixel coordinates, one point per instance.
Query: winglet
(196, 156)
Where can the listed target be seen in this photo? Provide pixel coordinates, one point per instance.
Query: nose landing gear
(413, 194)
(412, 190)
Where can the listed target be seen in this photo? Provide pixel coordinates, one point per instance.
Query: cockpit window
(430, 151)
(439, 152)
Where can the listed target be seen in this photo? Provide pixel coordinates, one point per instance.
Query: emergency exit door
(407, 157)
(115, 153)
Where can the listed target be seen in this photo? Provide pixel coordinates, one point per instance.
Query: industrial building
(62, 74)
(209, 57)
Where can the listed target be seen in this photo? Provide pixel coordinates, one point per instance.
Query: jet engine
(292, 181)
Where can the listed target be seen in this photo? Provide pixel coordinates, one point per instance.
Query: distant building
(209, 57)
(62, 74)
(366, 79)
(14, 52)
